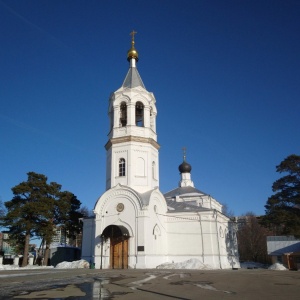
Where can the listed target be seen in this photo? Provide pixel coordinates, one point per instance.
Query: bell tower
(132, 148)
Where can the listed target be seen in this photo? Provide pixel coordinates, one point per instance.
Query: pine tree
(23, 211)
(70, 214)
(283, 208)
(36, 209)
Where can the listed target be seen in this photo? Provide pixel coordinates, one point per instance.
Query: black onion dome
(185, 167)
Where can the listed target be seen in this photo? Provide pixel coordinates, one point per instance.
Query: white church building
(135, 225)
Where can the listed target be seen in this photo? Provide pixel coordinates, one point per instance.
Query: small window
(122, 170)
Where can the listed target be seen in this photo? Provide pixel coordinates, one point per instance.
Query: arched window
(123, 114)
(156, 231)
(122, 169)
(139, 114)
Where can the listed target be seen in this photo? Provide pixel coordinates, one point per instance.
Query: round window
(120, 207)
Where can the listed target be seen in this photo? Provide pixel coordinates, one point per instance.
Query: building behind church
(135, 225)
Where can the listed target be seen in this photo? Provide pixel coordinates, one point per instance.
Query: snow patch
(78, 264)
(13, 267)
(277, 266)
(192, 263)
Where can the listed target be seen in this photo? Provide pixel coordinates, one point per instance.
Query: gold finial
(184, 153)
(132, 53)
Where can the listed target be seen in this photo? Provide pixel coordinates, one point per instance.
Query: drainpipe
(219, 254)
(136, 239)
(202, 240)
(101, 251)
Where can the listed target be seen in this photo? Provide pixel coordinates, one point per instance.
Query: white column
(116, 116)
(153, 121)
(131, 114)
(146, 116)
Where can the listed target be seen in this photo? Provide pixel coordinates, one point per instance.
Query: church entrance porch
(119, 237)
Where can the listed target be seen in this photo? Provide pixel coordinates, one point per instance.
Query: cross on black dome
(184, 167)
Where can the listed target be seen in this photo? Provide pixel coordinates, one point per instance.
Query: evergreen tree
(23, 211)
(36, 209)
(49, 217)
(283, 208)
(69, 207)
(2, 209)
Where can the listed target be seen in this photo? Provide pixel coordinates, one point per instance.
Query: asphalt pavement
(241, 284)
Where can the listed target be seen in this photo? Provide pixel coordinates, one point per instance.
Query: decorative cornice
(131, 139)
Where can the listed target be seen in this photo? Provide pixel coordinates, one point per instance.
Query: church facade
(135, 225)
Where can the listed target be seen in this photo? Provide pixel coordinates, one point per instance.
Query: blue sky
(225, 74)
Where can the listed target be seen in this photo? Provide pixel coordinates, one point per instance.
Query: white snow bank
(192, 263)
(78, 264)
(277, 266)
(13, 267)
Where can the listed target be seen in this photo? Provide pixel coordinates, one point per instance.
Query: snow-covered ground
(255, 265)
(196, 264)
(79, 264)
(192, 264)
(13, 267)
(278, 267)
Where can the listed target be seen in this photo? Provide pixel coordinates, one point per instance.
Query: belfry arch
(139, 114)
(118, 237)
(123, 114)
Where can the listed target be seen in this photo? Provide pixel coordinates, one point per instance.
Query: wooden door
(119, 253)
(292, 263)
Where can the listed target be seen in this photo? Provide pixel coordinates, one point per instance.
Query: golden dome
(132, 53)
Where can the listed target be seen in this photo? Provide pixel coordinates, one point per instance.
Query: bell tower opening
(139, 114)
(123, 114)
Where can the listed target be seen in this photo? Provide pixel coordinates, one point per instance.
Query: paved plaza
(242, 284)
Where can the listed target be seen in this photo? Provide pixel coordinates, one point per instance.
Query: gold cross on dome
(132, 33)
